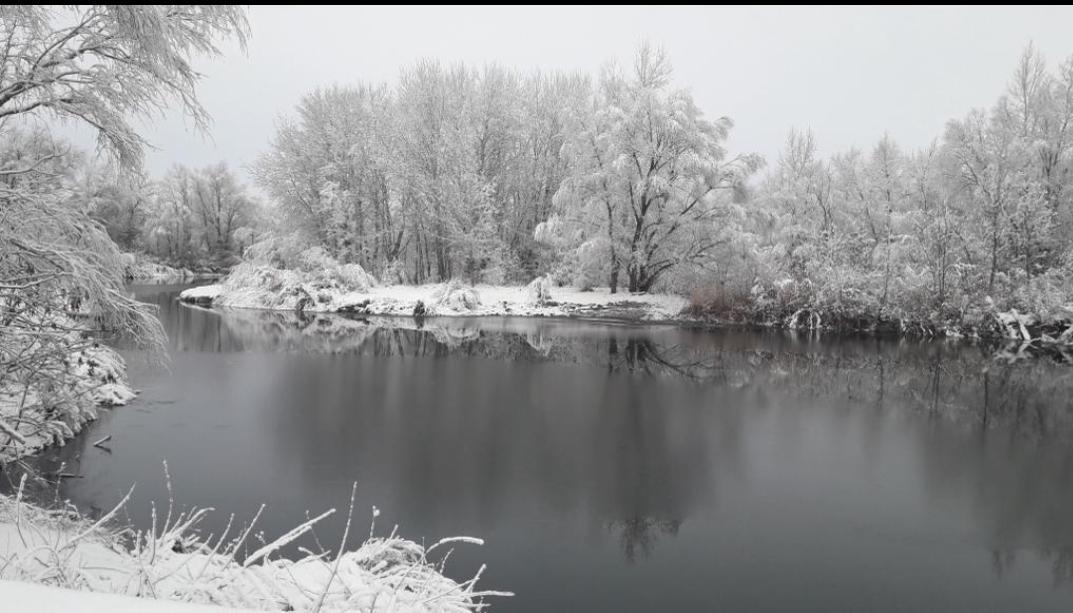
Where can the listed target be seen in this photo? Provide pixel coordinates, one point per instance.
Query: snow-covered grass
(171, 562)
(269, 288)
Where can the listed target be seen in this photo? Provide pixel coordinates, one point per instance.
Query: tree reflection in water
(955, 384)
(637, 429)
(639, 534)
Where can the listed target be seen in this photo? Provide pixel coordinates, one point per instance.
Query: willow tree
(60, 275)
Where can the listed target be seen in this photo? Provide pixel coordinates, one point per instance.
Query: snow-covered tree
(650, 173)
(103, 67)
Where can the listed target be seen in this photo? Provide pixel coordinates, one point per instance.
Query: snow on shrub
(352, 277)
(280, 273)
(455, 296)
(34, 416)
(539, 290)
(253, 285)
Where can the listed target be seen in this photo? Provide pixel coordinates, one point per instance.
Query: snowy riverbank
(138, 269)
(290, 291)
(329, 287)
(31, 419)
(172, 563)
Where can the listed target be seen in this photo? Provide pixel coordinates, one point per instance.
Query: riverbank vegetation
(500, 177)
(173, 561)
(495, 176)
(943, 238)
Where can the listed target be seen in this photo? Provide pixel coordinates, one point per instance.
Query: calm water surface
(618, 468)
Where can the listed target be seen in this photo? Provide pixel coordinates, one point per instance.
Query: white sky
(848, 73)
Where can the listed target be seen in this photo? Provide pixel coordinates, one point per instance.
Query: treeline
(445, 174)
(191, 218)
(498, 176)
(621, 181)
(982, 219)
(196, 219)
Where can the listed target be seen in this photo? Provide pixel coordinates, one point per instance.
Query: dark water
(616, 468)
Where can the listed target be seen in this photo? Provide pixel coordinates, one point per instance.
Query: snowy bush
(539, 291)
(279, 275)
(252, 285)
(57, 402)
(352, 277)
(455, 296)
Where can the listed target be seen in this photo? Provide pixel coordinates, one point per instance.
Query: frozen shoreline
(266, 288)
(432, 300)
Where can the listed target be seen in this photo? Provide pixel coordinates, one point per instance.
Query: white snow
(451, 299)
(19, 596)
(62, 550)
(206, 293)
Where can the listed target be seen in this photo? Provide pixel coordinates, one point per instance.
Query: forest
(495, 175)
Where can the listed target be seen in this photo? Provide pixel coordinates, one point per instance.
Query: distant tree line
(620, 181)
(192, 218)
(980, 219)
(498, 176)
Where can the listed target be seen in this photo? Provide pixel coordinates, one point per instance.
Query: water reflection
(864, 474)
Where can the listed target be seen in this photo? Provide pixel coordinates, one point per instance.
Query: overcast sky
(848, 73)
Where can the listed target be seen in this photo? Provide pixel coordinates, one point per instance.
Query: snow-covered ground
(63, 550)
(442, 299)
(18, 596)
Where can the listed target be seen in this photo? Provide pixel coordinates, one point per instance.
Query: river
(614, 467)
